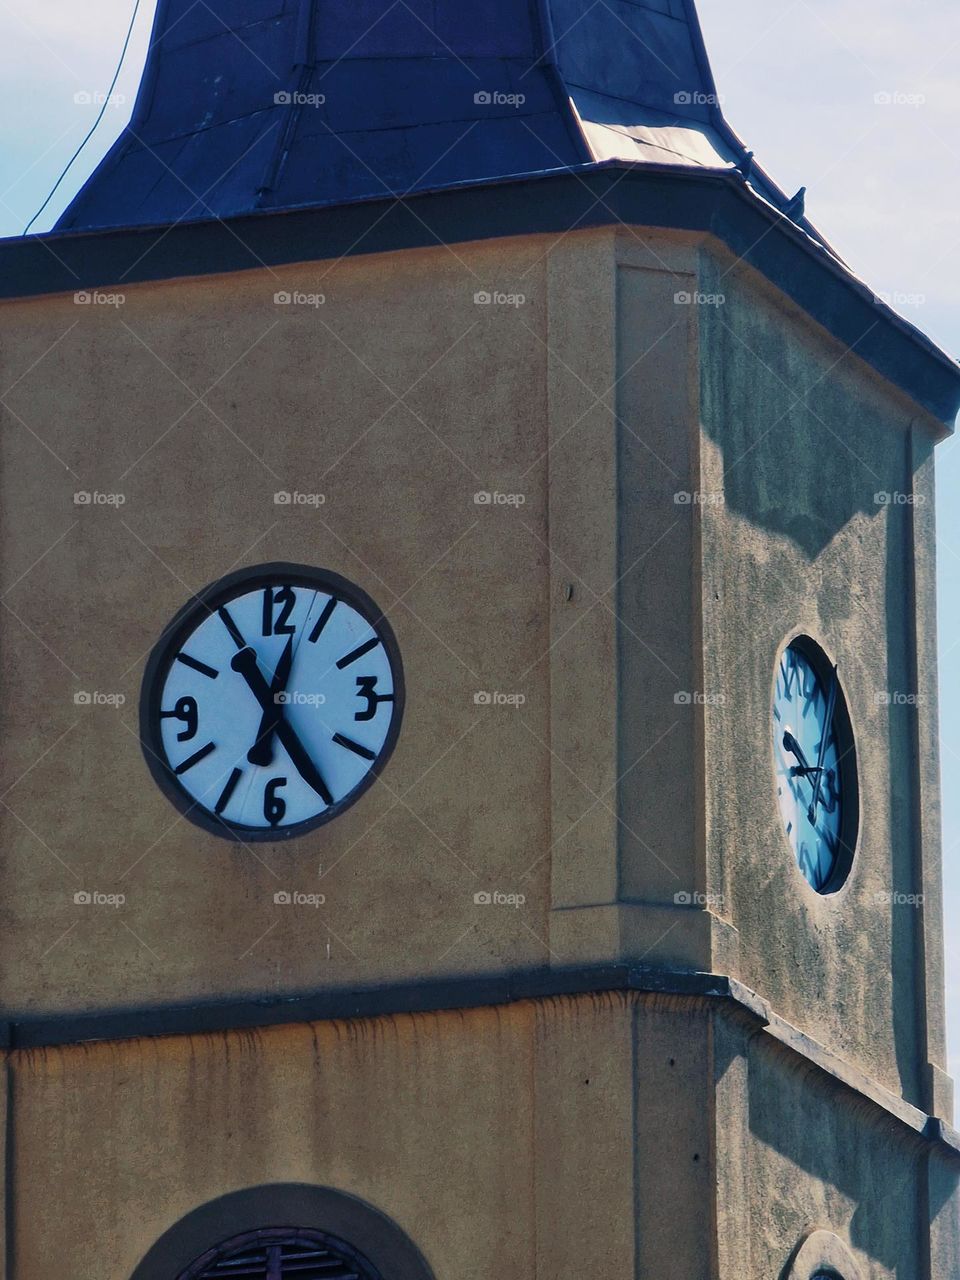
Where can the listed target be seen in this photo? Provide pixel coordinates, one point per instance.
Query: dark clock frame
(171, 641)
(849, 769)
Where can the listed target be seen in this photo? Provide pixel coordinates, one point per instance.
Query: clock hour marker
(358, 653)
(322, 621)
(355, 747)
(232, 627)
(195, 758)
(228, 791)
(195, 665)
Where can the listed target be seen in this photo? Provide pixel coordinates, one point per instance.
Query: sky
(857, 100)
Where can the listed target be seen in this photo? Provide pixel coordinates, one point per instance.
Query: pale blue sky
(800, 80)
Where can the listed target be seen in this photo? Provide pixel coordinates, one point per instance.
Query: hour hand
(261, 753)
(793, 746)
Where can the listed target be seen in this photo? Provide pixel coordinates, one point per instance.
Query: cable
(103, 108)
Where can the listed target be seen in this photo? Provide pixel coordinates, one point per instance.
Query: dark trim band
(719, 204)
(474, 993)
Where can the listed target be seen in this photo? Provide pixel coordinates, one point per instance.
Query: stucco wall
(801, 443)
(519, 1141)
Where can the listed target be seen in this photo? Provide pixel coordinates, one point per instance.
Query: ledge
(618, 193)
(473, 993)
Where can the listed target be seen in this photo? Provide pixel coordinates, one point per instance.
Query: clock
(815, 760)
(271, 702)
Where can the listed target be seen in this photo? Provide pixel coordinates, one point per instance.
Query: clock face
(815, 765)
(271, 702)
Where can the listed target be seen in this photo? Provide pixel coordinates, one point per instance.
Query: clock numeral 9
(185, 710)
(274, 807)
(285, 599)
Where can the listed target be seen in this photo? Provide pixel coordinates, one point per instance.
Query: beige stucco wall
(598, 600)
(516, 1141)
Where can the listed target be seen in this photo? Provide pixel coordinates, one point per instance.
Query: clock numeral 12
(285, 599)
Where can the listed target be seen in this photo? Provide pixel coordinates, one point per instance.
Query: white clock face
(815, 767)
(272, 702)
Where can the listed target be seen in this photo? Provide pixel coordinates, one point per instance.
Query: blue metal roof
(250, 105)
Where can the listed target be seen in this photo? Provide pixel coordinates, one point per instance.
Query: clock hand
(245, 662)
(793, 746)
(827, 724)
(262, 750)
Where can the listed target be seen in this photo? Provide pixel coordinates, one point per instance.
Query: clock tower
(470, 791)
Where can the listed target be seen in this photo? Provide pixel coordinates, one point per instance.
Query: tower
(470, 797)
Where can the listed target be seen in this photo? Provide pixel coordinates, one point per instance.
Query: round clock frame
(184, 624)
(849, 791)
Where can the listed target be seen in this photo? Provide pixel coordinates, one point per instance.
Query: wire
(106, 102)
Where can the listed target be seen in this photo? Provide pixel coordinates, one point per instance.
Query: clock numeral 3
(284, 599)
(274, 807)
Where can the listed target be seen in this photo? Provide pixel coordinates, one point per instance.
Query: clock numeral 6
(274, 807)
(285, 599)
(185, 710)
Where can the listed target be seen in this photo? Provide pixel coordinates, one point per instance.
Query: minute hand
(827, 726)
(245, 662)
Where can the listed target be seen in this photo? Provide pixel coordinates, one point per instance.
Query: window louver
(281, 1255)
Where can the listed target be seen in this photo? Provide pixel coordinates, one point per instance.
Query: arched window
(282, 1254)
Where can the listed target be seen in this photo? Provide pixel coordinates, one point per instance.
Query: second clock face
(272, 702)
(816, 784)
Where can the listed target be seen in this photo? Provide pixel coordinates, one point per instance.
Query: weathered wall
(490, 1138)
(507, 1141)
(800, 442)
(397, 399)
